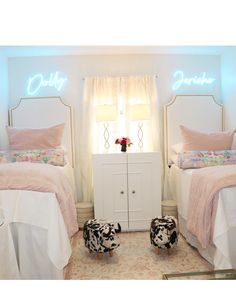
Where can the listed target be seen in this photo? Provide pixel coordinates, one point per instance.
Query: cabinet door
(144, 189)
(110, 188)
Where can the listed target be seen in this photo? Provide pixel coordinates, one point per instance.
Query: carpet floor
(134, 259)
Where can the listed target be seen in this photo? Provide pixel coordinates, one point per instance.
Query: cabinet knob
(133, 191)
(122, 192)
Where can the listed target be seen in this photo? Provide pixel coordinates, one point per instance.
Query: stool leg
(111, 253)
(99, 255)
(157, 250)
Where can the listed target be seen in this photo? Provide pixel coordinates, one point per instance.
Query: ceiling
(26, 51)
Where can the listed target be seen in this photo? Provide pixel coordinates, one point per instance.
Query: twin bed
(37, 196)
(203, 114)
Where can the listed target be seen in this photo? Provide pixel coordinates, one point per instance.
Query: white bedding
(33, 245)
(222, 254)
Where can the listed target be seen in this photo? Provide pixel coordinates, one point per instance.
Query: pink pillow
(198, 141)
(26, 138)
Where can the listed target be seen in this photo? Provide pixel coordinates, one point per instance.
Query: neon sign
(201, 79)
(36, 82)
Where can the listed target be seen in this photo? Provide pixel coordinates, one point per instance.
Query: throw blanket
(203, 198)
(43, 178)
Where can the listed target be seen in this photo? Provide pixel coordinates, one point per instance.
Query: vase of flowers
(124, 142)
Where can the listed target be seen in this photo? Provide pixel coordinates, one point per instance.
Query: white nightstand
(127, 188)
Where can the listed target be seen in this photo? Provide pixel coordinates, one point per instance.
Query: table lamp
(140, 112)
(105, 113)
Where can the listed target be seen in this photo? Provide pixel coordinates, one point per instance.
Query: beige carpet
(135, 259)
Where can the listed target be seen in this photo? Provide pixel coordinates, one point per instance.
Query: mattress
(33, 236)
(222, 253)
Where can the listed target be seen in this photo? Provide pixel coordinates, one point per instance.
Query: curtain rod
(83, 78)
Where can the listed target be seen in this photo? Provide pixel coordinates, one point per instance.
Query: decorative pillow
(43, 138)
(199, 141)
(174, 159)
(200, 159)
(54, 157)
(177, 148)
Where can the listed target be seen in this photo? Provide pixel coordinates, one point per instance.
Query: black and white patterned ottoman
(101, 236)
(164, 232)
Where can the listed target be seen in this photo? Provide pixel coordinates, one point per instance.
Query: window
(122, 93)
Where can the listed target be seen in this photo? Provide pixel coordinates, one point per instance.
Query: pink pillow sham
(198, 141)
(42, 138)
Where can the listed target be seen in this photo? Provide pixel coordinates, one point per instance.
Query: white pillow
(177, 148)
(174, 159)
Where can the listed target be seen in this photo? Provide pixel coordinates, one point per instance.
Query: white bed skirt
(34, 243)
(212, 254)
(26, 254)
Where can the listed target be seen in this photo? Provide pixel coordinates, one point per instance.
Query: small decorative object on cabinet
(127, 188)
(124, 142)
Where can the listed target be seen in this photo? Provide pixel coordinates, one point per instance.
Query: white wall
(228, 72)
(3, 100)
(77, 67)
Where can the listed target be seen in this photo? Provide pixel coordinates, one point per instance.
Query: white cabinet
(127, 188)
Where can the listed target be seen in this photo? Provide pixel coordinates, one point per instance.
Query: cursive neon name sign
(38, 81)
(201, 79)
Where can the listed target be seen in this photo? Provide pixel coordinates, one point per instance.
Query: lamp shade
(140, 112)
(105, 113)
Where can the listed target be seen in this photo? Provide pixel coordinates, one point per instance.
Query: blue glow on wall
(201, 79)
(38, 81)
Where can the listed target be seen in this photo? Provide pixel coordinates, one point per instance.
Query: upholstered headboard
(199, 112)
(43, 112)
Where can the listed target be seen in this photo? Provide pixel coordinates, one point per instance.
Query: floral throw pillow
(54, 157)
(200, 159)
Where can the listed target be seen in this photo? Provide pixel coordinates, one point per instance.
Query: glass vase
(124, 148)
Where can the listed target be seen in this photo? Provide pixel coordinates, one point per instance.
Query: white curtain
(141, 90)
(122, 92)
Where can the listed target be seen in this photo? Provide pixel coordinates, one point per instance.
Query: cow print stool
(164, 232)
(100, 236)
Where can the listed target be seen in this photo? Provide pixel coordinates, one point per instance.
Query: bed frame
(199, 112)
(43, 112)
(202, 113)
(28, 231)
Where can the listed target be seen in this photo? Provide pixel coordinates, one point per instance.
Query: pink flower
(123, 140)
